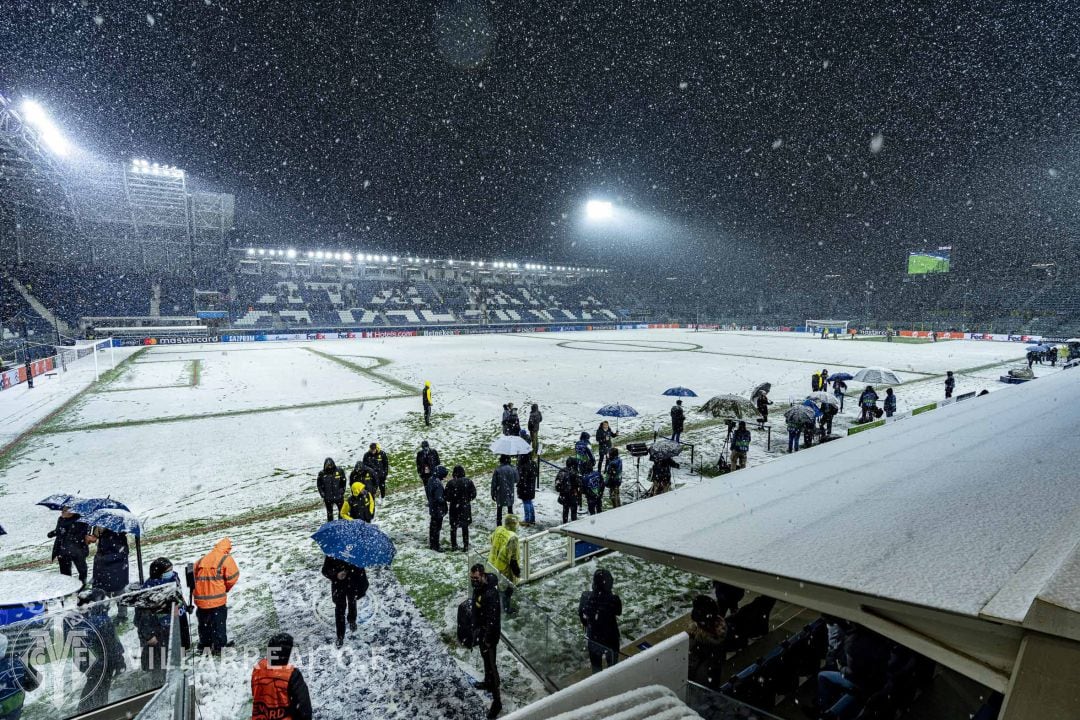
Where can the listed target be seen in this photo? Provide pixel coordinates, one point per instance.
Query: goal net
(96, 353)
(827, 327)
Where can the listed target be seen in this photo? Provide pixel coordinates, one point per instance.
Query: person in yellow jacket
(215, 575)
(504, 557)
(360, 505)
(425, 397)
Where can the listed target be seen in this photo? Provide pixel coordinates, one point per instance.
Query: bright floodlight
(599, 210)
(49, 133)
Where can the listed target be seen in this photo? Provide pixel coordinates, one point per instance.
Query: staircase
(155, 299)
(40, 309)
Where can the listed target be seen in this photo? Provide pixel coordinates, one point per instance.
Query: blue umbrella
(356, 542)
(85, 507)
(617, 411)
(60, 500)
(120, 521)
(841, 376)
(115, 519)
(2, 530)
(680, 392)
(1038, 348)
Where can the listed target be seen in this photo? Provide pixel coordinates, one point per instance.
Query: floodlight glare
(599, 210)
(385, 258)
(347, 257)
(49, 133)
(251, 251)
(290, 253)
(393, 258)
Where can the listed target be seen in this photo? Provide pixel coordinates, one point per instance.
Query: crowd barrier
(373, 333)
(239, 336)
(16, 375)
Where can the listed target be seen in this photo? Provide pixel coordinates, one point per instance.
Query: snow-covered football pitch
(202, 441)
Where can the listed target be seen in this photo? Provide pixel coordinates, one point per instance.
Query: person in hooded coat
(535, 418)
(890, 403)
(69, 544)
(331, 485)
(153, 617)
(377, 460)
(216, 573)
(599, 611)
(104, 655)
(427, 459)
(110, 565)
(763, 403)
(526, 487)
(585, 459)
(839, 386)
(707, 634)
(503, 485)
(437, 507)
(348, 584)
(613, 476)
(425, 399)
(514, 422)
(459, 494)
(486, 611)
(568, 487)
(359, 504)
(868, 403)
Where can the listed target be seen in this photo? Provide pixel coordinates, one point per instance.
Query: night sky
(797, 133)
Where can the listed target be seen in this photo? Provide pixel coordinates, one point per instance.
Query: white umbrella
(823, 398)
(877, 376)
(510, 445)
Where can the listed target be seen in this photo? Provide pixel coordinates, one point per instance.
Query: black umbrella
(762, 388)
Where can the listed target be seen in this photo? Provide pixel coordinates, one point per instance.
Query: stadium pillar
(1043, 682)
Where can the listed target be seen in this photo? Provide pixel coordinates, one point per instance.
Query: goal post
(827, 327)
(100, 352)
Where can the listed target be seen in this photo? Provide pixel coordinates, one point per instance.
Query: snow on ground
(206, 441)
(21, 407)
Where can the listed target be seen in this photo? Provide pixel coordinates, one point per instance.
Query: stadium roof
(955, 532)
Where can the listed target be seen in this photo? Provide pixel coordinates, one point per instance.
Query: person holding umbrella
(350, 547)
(839, 386)
(110, 564)
(69, 543)
(348, 584)
(678, 421)
(604, 438)
(761, 397)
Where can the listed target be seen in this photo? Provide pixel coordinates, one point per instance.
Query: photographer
(740, 446)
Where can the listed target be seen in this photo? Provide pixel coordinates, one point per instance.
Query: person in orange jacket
(215, 575)
(278, 690)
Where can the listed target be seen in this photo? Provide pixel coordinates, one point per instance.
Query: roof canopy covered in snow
(953, 531)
